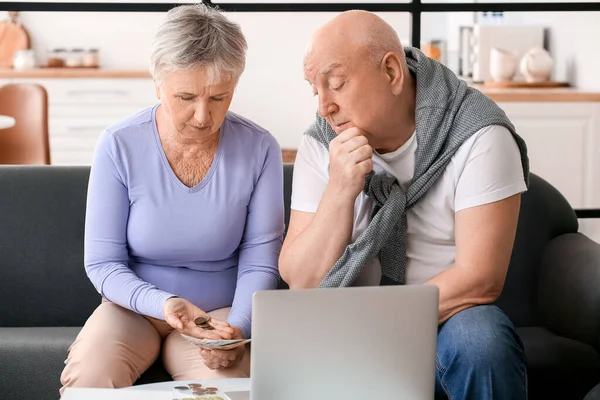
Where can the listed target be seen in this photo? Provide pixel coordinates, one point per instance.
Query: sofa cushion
(593, 394)
(32, 361)
(572, 367)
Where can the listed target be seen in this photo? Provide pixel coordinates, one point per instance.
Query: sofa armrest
(569, 288)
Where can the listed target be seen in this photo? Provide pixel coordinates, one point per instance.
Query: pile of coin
(195, 391)
(203, 322)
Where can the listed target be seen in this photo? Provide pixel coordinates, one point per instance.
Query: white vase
(536, 65)
(24, 59)
(503, 64)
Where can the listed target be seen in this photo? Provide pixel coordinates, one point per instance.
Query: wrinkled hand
(219, 359)
(180, 314)
(350, 160)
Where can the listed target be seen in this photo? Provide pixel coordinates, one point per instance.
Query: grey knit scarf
(448, 112)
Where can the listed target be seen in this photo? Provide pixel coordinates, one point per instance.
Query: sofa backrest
(43, 281)
(42, 278)
(545, 214)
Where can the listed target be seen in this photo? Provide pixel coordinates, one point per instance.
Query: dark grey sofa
(552, 291)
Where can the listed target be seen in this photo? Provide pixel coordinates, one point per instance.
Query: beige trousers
(117, 345)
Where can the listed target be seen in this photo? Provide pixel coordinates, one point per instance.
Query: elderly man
(408, 176)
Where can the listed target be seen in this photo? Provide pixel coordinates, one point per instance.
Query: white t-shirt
(486, 168)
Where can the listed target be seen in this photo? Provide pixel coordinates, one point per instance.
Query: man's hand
(350, 160)
(181, 314)
(219, 359)
(311, 246)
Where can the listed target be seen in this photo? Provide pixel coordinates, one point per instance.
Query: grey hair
(199, 36)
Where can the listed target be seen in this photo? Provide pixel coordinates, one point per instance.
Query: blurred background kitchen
(540, 67)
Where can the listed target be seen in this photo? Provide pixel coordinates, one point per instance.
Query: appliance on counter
(477, 42)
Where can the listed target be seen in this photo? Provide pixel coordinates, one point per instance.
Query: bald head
(356, 68)
(358, 33)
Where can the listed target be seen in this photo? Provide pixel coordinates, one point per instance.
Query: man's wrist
(338, 197)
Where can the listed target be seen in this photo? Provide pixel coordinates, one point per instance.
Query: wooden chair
(27, 141)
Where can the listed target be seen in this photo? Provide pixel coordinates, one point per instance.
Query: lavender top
(149, 237)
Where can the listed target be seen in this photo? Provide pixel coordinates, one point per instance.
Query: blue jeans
(480, 356)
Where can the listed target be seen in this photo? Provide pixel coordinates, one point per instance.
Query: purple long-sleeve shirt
(149, 237)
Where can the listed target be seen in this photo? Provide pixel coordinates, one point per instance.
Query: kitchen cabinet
(79, 109)
(563, 140)
(563, 146)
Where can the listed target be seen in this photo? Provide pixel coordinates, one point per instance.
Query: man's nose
(326, 108)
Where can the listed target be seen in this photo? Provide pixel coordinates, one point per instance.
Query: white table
(235, 388)
(226, 385)
(6, 122)
(114, 394)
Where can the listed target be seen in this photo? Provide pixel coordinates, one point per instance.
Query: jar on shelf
(74, 58)
(90, 58)
(56, 58)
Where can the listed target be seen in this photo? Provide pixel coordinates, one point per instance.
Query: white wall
(272, 90)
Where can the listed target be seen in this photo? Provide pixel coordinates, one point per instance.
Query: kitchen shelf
(72, 73)
(543, 95)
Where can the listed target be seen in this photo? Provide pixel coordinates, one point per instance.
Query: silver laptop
(345, 343)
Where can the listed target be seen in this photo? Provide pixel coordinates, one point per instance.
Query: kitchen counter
(514, 95)
(8, 73)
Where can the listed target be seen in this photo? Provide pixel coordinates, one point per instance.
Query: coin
(202, 320)
(181, 388)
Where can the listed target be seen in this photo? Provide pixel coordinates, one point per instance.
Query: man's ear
(394, 71)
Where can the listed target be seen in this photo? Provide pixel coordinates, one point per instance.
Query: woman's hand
(220, 359)
(181, 315)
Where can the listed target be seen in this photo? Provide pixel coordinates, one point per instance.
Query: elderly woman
(184, 216)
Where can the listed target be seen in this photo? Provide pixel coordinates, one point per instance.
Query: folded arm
(316, 240)
(312, 246)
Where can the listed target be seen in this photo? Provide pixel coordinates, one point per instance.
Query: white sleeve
(311, 174)
(492, 171)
